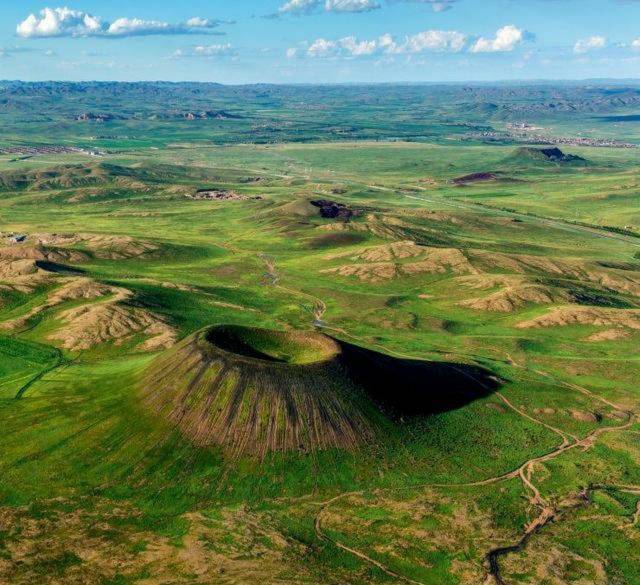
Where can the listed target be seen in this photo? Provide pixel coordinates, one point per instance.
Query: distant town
(49, 149)
(528, 133)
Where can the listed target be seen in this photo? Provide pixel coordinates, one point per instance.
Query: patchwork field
(320, 362)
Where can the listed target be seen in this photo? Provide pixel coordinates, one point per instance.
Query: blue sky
(283, 41)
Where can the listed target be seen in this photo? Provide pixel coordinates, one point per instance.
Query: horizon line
(339, 83)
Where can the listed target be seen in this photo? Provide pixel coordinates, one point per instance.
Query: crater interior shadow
(224, 338)
(405, 388)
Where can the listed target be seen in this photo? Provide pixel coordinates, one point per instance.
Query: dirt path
(565, 435)
(60, 361)
(546, 512)
(525, 472)
(270, 277)
(367, 559)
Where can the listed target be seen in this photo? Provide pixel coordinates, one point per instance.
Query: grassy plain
(533, 275)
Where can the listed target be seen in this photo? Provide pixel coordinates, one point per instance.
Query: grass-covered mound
(253, 391)
(58, 177)
(531, 155)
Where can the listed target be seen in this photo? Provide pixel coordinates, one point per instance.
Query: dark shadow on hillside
(224, 338)
(58, 268)
(405, 388)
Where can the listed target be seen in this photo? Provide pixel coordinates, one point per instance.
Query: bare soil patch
(116, 247)
(220, 195)
(609, 335)
(515, 293)
(112, 321)
(576, 315)
(102, 542)
(74, 289)
(41, 253)
(583, 416)
(400, 259)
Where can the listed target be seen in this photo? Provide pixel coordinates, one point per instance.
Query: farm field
(402, 355)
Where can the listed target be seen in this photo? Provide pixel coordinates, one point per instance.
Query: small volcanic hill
(255, 391)
(333, 210)
(545, 155)
(475, 178)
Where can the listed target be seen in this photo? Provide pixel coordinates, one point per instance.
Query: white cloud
(299, 6)
(211, 51)
(351, 46)
(586, 45)
(57, 22)
(636, 44)
(308, 6)
(323, 48)
(224, 50)
(135, 26)
(350, 5)
(197, 22)
(435, 40)
(292, 53)
(359, 48)
(63, 22)
(507, 39)
(14, 50)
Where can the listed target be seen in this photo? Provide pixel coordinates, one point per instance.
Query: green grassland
(532, 275)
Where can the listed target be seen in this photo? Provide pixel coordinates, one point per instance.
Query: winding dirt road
(546, 512)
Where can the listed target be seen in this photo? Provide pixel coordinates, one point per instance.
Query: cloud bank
(64, 22)
(507, 39)
(431, 40)
(311, 6)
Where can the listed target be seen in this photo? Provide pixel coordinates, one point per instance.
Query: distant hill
(117, 113)
(528, 154)
(59, 177)
(83, 175)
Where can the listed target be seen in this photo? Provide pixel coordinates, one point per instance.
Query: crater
(253, 391)
(289, 347)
